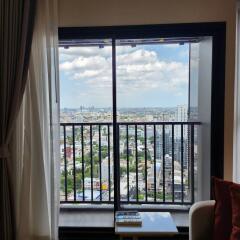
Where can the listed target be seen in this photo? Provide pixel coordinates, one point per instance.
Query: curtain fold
(35, 143)
(16, 29)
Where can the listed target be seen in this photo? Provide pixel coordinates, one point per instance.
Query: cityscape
(154, 158)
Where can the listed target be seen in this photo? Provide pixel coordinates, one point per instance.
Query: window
(137, 114)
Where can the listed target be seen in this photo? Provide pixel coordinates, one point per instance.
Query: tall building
(181, 116)
(159, 143)
(182, 113)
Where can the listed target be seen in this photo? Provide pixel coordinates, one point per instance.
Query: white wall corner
(236, 133)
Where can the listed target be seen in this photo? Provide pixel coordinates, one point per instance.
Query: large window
(136, 119)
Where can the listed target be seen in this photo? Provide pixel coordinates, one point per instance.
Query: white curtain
(35, 142)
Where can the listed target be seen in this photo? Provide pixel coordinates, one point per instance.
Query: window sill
(80, 217)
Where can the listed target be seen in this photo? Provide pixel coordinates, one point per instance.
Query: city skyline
(87, 148)
(91, 114)
(92, 106)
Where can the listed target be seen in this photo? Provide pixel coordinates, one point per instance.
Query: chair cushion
(223, 209)
(235, 194)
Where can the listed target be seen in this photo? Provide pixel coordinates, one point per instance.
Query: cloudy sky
(147, 76)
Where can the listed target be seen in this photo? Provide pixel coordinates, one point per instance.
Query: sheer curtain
(35, 141)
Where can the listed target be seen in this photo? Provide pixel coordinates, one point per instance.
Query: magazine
(128, 218)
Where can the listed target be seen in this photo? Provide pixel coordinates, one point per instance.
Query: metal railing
(157, 162)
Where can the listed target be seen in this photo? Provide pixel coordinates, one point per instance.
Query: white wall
(135, 12)
(204, 113)
(236, 151)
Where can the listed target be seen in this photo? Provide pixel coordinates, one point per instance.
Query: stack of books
(128, 218)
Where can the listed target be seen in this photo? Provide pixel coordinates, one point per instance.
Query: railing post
(100, 159)
(173, 166)
(65, 163)
(109, 166)
(146, 160)
(155, 167)
(192, 163)
(127, 142)
(74, 162)
(182, 157)
(83, 167)
(163, 161)
(91, 159)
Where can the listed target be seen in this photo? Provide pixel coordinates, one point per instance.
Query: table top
(153, 223)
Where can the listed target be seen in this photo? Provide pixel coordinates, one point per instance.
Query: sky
(147, 76)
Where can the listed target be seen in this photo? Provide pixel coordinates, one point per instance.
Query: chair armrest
(201, 220)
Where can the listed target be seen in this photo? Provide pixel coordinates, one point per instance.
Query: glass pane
(86, 111)
(152, 80)
(152, 89)
(86, 83)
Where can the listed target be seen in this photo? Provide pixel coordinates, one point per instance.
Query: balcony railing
(157, 161)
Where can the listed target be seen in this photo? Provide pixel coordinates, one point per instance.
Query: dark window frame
(216, 30)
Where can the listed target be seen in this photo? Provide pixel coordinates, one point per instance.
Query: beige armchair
(201, 219)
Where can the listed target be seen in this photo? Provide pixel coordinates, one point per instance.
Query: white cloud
(84, 63)
(138, 70)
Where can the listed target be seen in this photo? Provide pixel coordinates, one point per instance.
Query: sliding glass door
(131, 119)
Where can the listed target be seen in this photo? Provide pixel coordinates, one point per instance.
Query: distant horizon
(95, 107)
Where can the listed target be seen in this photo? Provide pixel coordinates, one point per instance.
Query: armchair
(201, 220)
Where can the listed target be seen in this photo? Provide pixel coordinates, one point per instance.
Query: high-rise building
(182, 113)
(181, 116)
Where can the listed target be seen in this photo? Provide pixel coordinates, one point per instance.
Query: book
(128, 218)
